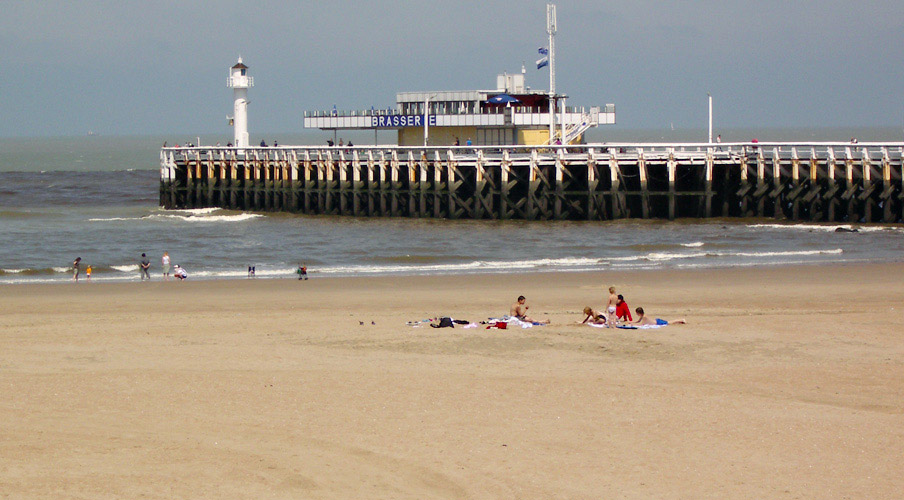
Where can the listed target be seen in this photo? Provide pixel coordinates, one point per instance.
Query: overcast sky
(159, 67)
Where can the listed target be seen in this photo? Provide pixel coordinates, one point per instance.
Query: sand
(787, 383)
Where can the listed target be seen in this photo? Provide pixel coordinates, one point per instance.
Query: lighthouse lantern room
(240, 82)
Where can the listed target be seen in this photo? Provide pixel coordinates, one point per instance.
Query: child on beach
(644, 320)
(302, 272)
(611, 307)
(622, 311)
(179, 272)
(88, 273)
(594, 317)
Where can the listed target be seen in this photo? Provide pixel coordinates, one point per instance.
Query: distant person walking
(166, 265)
(302, 272)
(144, 267)
(75, 268)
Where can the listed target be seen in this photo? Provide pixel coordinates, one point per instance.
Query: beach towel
(640, 327)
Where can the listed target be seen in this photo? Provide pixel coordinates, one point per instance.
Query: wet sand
(787, 383)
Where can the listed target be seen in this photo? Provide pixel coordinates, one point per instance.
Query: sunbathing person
(519, 311)
(644, 320)
(594, 317)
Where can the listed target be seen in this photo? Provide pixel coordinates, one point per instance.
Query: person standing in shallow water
(166, 265)
(75, 268)
(144, 267)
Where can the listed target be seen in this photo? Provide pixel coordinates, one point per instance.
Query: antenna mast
(551, 30)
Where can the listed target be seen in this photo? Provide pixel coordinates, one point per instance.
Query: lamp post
(427, 118)
(710, 117)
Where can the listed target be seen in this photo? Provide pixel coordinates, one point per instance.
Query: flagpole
(551, 30)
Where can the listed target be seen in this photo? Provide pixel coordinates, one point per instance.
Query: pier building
(509, 114)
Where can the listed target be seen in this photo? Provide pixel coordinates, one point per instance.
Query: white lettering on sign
(399, 121)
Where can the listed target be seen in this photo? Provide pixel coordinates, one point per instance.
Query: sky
(159, 67)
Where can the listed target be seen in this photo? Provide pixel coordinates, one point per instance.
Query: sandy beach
(788, 382)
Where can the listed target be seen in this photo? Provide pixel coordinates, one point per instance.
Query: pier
(831, 182)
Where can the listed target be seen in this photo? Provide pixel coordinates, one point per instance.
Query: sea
(96, 197)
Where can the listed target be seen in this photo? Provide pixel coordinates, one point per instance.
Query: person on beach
(88, 273)
(251, 271)
(611, 307)
(144, 267)
(594, 317)
(165, 261)
(75, 268)
(302, 272)
(179, 272)
(644, 320)
(519, 311)
(622, 311)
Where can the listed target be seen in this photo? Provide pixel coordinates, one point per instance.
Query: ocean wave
(44, 271)
(695, 244)
(654, 259)
(187, 218)
(127, 268)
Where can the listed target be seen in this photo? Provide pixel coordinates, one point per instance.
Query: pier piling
(795, 181)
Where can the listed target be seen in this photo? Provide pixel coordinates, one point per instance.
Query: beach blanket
(441, 322)
(511, 322)
(626, 327)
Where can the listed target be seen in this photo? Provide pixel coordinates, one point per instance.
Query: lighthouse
(240, 81)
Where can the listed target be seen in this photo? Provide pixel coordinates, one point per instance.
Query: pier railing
(816, 181)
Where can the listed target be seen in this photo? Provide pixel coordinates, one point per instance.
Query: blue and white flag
(544, 61)
(543, 51)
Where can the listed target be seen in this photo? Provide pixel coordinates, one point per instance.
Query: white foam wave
(196, 211)
(695, 244)
(62, 269)
(792, 253)
(571, 263)
(666, 256)
(224, 218)
(128, 268)
(17, 271)
(187, 218)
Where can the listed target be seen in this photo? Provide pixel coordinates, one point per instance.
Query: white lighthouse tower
(240, 81)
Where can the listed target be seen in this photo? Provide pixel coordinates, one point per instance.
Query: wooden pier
(794, 181)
